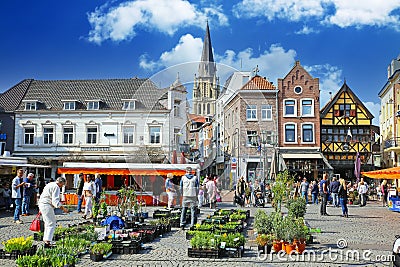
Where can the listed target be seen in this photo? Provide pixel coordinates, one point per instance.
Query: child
(7, 196)
(201, 196)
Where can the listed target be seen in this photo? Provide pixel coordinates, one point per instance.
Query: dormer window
(128, 104)
(93, 105)
(30, 104)
(69, 105)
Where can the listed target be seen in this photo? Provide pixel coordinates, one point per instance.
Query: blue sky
(75, 39)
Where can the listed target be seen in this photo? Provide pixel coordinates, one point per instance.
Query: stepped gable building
(299, 124)
(347, 130)
(206, 84)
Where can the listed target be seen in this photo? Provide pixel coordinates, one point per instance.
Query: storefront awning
(302, 155)
(120, 171)
(390, 173)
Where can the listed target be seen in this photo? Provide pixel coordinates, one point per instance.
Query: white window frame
(70, 105)
(50, 135)
(313, 133)
(249, 134)
(129, 105)
(93, 105)
(68, 134)
(253, 112)
(294, 107)
(130, 140)
(30, 105)
(31, 135)
(159, 135)
(89, 139)
(312, 107)
(295, 133)
(266, 109)
(177, 108)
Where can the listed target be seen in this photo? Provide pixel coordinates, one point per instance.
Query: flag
(349, 133)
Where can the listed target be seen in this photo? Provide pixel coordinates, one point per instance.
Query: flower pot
(300, 247)
(277, 245)
(289, 248)
(284, 243)
(265, 249)
(96, 257)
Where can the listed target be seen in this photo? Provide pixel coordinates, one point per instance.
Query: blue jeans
(343, 203)
(25, 204)
(335, 199)
(80, 200)
(304, 194)
(17, 211)
(324, 200)
(314, 198)
(193, 215)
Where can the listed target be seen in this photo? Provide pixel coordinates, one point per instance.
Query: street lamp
(264, 140)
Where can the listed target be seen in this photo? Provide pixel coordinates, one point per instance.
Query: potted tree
(264, 242)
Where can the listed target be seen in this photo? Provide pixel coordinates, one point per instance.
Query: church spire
(207, 67)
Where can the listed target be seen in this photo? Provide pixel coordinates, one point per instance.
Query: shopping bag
(35, 225)
(218, 197)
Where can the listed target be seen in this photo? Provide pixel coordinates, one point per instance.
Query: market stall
(392, 174)
(147, 179)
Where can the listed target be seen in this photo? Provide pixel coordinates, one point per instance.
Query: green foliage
(297, 207)
(237, 217)
(18, 243)
(55, 257)
(233, 240)
(264, 239)
(281, 188)
(263, 222)
(101, 248)
(74, 245)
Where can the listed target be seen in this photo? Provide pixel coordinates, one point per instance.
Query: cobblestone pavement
(369, 230)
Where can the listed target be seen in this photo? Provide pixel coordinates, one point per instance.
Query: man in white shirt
(16, 187)
(50, 200)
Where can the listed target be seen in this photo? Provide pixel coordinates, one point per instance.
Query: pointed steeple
(207, 66)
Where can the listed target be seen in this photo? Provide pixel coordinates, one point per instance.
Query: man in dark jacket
(79, 191)
(334, 189)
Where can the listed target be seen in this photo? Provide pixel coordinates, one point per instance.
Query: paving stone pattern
(368, 228)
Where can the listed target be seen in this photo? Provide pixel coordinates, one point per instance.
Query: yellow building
(346, 129)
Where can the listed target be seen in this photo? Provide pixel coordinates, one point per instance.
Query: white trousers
(50, 221)
(88, 205)
(171, 196)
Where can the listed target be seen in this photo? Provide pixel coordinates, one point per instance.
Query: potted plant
(296, 207)
(281, 189)
(264, 242)
(277, 230)
(99, 250)
(19, 245)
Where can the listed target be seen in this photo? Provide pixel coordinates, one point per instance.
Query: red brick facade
(307, 87)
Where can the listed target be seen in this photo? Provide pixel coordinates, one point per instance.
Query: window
(48, 135)
(344, 110)
(298, 90)
(91, 135)
(290, 108)
(155, 133)
(252, 138)
(177, 111)
(128, 135)
(69, 105)
(290, 133)
(128, 105)
(266, 112)
(93, 105)
(308, 133)
(307, 107)
(251, 112)
(30, 106)
(68, 135)
(29, 134)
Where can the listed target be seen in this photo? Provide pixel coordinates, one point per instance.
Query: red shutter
(352, 113)
(337, 113)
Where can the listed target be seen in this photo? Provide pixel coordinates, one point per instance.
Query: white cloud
(306, 30)
(118, 23)
(330, 80)
(374, 108)
(342, 13)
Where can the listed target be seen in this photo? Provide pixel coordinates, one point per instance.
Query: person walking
(342, 194)
(304, 189)
(89, 192)
(385, 192)
(50, 200)
(334, 189)
(98, 183)
(40, 185)
(241, 190)
(16, 193)
(189, 187)
(362, 191)
(323, 191)
(314, 192)
(79, 192)
(170, 189)
(29, 189)
(7, 196)
(212, 192)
